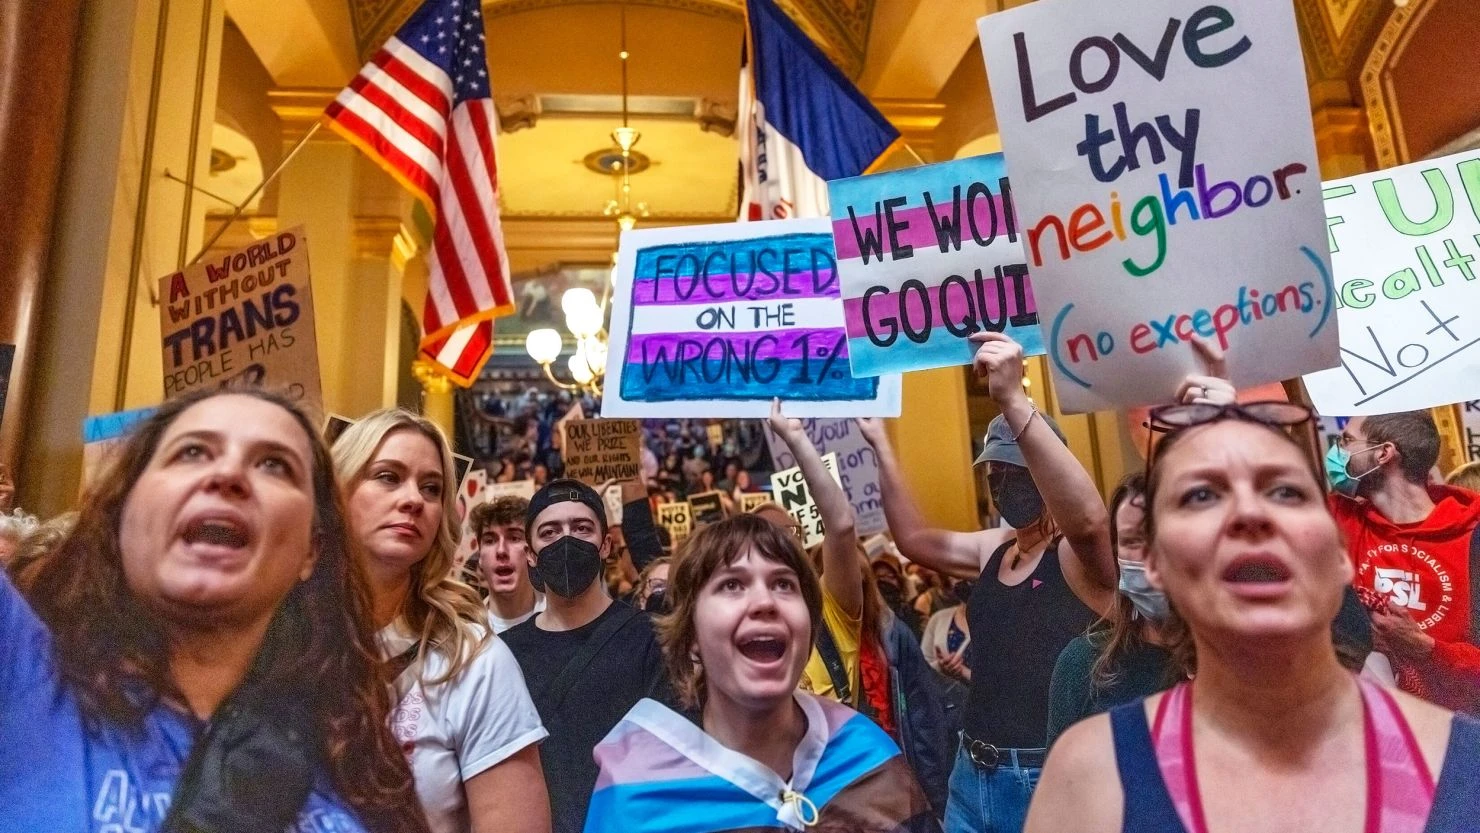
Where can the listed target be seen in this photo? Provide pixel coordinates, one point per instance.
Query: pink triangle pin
(1036, 582)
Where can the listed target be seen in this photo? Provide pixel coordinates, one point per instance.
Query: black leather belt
(988, 757)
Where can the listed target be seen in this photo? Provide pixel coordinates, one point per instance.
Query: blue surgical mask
(1134, 585)
(1343, 481)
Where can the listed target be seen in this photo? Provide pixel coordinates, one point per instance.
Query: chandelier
(585, 317)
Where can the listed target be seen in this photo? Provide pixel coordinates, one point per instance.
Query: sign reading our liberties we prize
(598, 450)
(1404, 243)
(1166, 185)
(714, 321)
(926, 257)
(243, 319)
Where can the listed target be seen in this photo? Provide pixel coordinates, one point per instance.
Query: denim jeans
(989, 802)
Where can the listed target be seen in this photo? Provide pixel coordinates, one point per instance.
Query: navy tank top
(1149, 807)
(1017, 634)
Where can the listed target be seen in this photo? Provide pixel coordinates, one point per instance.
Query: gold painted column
(141, 101)
(932, 439)
(35, 74)
(437, 402)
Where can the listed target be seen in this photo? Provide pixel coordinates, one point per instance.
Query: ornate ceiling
(840, 27)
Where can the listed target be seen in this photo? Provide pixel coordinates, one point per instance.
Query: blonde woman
(464, 717)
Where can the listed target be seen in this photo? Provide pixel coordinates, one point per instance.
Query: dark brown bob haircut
(112, 652)
(715, 546)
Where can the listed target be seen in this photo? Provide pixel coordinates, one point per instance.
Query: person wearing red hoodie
(1411, 543)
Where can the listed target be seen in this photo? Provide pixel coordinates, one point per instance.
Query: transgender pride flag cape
(660, 773)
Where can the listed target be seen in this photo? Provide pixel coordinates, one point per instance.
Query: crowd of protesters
(242, 628)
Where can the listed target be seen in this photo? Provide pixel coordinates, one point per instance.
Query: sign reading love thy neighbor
(858, 466)
(1166, 185)
(243, 319)
(926, 257)
(713, 321)
(789, 488)
(1404, 244)
(598, 450)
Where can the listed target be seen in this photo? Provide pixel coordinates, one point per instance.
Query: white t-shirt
(501, 625)
(456, 730)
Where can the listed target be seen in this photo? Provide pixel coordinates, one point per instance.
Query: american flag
(422, 109)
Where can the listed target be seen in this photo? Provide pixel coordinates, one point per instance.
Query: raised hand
(872, 429)
(999, 360)
(787, 428)
(1211, 387)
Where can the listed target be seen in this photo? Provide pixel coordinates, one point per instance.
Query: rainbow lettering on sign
(926, 257)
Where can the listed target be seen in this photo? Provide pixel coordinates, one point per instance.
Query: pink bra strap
(1400, 787)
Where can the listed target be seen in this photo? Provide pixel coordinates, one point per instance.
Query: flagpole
(255, 191)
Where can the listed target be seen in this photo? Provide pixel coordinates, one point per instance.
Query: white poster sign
(1403, 242)
(1165, 180)
(714, 321)
(789, 489)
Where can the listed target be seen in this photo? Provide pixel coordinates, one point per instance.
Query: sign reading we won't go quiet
(927, 256)
(1166, 184)
(714, 321)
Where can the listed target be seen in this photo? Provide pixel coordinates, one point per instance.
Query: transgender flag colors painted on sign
(926, 257)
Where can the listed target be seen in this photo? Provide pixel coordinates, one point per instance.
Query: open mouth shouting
(765, 650)
(217, 537)
(1258, 575)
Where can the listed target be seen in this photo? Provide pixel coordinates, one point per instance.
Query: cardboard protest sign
(1469, 426)
(102, 436)
(598, 450)
(716, 434)
(713, 321)
(245, 319)
(751, 501)
(708, 508)
(1165, 179)
(926, 257)
(678, 518)
(7, 357)
(858, 467)
(790, 490)
(1402, 242)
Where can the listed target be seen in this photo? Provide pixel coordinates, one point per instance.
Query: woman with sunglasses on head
(464, 717)
(1039, 585)
(756, 753)
(1272, 733)
(197, 654)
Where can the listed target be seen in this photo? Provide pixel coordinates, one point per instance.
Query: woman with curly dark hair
(198, 654)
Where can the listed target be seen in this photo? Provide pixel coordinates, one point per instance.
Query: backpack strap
(576, 665)
(832, 659)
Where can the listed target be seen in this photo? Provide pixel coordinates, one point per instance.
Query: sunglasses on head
(1170, 419)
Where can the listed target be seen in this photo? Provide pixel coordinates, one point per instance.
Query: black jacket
(924, 735)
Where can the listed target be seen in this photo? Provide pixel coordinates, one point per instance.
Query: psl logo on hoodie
(1409, 578)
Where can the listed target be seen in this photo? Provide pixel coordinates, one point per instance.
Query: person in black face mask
(587, 659)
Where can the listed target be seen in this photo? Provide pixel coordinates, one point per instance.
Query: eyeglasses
(1170, 419)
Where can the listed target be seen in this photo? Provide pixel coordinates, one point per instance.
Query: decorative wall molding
(1377, 93)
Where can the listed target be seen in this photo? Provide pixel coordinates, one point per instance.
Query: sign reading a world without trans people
(715, 321)
(926, 257)
(1166, 185)
(1404, 243)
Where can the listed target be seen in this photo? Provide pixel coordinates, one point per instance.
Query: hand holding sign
(999, 361)
(1211, 387)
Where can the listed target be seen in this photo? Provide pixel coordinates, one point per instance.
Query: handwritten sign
(1469, 413)
(1165, 177)
(678, 518)
(751, 501)
(858, 467)
(598, 450)
(1403, 242)
(245, 318)
(790, 490)
(927, 256)
(708, 508)
(713, 321)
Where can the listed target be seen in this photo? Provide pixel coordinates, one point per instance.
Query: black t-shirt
(627, 669)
